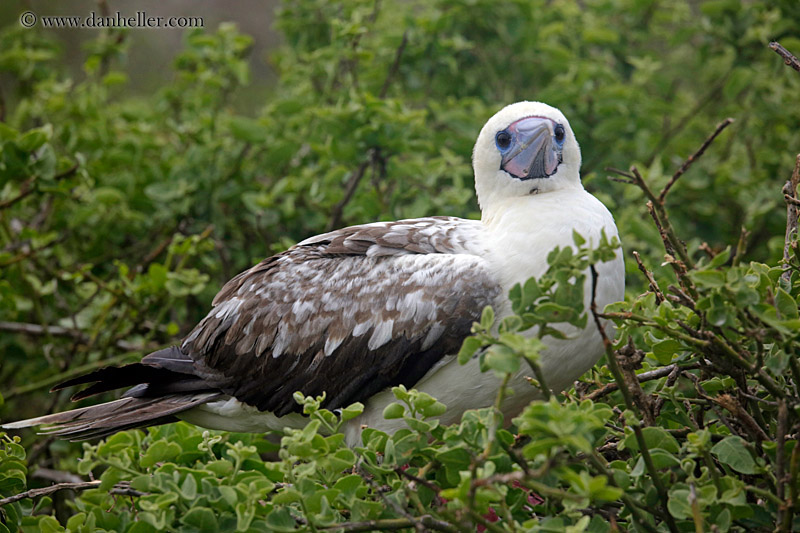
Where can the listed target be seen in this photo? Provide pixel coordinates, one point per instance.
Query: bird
(353, 312)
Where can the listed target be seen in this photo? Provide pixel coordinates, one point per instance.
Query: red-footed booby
(353, 312)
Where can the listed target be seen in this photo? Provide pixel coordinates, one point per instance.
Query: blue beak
(533, 152)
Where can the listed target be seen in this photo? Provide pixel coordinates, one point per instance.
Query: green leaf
(664, 351)
(654, 437)
(468, 349)
(201, 518)
(188, 490)
(280, 520)
(487, 318)
(708, 278)
(786, 305)
(352, 411)
(733, 452)
(158, 452)
(434, 409)
(33, 139)
(248, 130)
(502, 359)
(394, 410)
(48, 524)
(678, 504)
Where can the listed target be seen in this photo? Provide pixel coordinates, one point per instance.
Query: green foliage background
(121, 216)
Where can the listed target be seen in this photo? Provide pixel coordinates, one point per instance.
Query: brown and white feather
(347, 313)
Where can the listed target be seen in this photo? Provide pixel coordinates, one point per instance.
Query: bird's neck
(497, 209)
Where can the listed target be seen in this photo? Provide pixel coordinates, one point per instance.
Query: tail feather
(162, 385)
(107, 418)
(165, 366)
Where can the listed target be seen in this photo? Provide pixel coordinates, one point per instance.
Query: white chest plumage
(516, 243)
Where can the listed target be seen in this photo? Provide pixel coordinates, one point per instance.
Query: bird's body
(353, 312)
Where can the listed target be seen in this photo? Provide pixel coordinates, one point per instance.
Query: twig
(684, 121)
(628, 176)
(741, 247)
(355, 178)
(400, 472)
(644, 376)
(673, 245)
(24, 190)
(523, 479)
(350, 189)
(391, 524)
(625, 387)
(631, 504)
(787, 56)
(746, 419)
(27, 186)
(790, 195)
(664, 238)
(611, 357)
(692, 158)
(651, 280)
(123, 489)
(651, 468)
(632, 361)
(391, 503)
(696, 516)
(790, 200)
(794, 466)
(44, 491)
(659, 402)
(395, 66)
(780, 464)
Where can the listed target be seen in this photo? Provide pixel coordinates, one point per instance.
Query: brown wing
(347, 313)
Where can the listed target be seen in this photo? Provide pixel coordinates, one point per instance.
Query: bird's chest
(522, 236)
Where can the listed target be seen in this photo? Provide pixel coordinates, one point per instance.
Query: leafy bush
(121, 216)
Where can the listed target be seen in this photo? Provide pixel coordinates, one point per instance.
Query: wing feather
(347, 313)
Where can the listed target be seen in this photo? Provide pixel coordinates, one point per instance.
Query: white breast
(517, 243)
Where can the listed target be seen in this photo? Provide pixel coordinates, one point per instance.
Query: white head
(525, 148)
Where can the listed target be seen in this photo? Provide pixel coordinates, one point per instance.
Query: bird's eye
(559, 133)
(503, 140)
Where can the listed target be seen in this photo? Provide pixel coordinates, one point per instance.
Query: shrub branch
(787, 56)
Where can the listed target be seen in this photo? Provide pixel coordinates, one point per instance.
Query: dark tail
(162, 385)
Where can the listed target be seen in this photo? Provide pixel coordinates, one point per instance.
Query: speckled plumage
(347, 313)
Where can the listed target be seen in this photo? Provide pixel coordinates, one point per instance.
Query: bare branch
(399, 471)
(780, 462)
(395, 66)
(374, 156)
(790, 195)
(44, 491)
(350, 189)
(644, 376)
(692, 158)
(120, 489)
(390, 524)
(651, 280)
(741, 247)
(27, 186)
(787, 56)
